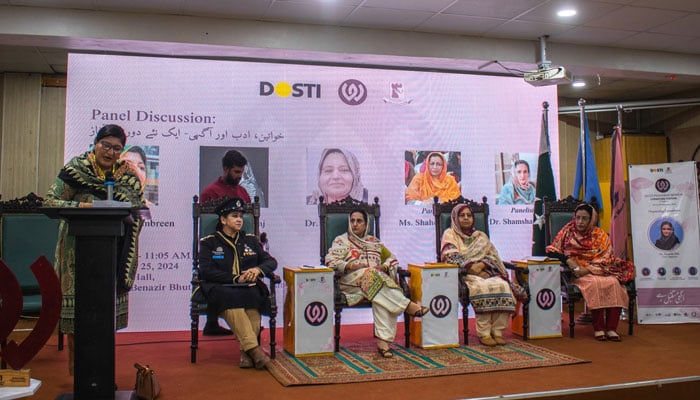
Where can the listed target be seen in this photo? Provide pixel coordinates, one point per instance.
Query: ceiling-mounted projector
(548, 76)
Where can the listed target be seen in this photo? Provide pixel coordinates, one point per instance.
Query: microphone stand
(109, 188)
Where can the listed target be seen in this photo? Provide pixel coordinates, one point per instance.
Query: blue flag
(592, 185)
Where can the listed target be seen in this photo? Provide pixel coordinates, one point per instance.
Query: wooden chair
(334, 222)
(204, 221)
(443, 220)
(558, 213)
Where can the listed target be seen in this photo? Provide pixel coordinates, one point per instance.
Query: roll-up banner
(666, 242)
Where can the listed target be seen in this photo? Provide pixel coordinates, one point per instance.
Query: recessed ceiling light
(578, 83)
(568, 12)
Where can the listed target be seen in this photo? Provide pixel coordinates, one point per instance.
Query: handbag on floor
(147, 386)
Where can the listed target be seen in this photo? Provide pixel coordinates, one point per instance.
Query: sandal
(419, 312)
(488, 341)
(423, 311)
(613, 336)
(385, 353)
(600, 336)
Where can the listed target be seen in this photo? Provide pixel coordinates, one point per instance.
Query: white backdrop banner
(665, 239)
(187, 113)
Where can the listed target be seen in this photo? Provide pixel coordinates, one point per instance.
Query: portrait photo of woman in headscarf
(433, 178)
(666, 234)
(144, 161)
(336, 178)
(514, 177)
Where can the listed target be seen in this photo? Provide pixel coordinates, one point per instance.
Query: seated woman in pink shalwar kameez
(587, 251)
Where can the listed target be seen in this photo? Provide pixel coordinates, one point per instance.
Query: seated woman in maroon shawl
(587, 251)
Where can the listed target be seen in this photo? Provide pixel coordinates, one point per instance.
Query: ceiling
(603, 32)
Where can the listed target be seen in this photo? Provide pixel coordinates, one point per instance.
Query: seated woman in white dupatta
(368, 271)
(487, 279)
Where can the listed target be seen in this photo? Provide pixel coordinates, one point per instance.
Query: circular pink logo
(315, 313)
(440, 306)
(546, 299)
(352, 92)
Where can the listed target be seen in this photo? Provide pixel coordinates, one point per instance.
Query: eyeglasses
(117, 149)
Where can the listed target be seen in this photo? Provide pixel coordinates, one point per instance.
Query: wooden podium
(96, 232)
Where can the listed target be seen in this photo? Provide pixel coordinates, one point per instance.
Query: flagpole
(619, 117)
(619, 108)
(545, 188)
(585, 317)
(582, 142)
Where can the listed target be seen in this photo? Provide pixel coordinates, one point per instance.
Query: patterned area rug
(360, 362)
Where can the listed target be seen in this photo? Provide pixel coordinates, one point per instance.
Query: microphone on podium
(109, 185)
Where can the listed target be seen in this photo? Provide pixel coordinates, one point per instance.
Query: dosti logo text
(285, 89)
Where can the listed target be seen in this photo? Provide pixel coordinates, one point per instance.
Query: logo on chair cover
(440, 306)
(662, 185)
(315, 313)
(546, 299)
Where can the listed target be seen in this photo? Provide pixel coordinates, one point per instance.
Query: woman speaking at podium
(79, 182)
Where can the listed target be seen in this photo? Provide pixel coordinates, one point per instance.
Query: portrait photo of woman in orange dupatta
(434, 181)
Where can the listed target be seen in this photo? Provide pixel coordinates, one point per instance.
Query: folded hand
(249, 275)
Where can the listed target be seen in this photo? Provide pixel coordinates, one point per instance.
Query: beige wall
(52, 125)
(569, 135)
(684, 136)
(683, 142)
(32, 134)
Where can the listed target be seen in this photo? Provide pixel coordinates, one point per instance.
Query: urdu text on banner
(186, 113)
